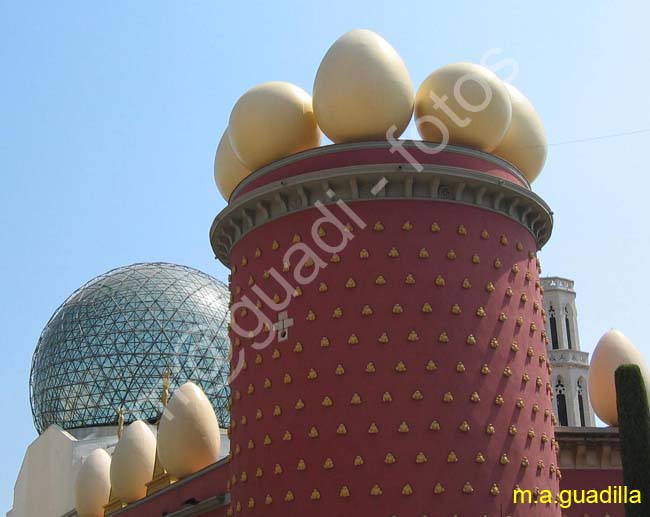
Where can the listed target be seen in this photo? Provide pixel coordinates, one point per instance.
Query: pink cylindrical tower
(388, 336)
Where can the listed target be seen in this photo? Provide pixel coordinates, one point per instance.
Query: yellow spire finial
(165, 391)
(120, 422)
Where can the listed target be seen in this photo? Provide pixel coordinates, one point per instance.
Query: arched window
(561, 402)
(568, 327)
(554, 341)
(581, 404)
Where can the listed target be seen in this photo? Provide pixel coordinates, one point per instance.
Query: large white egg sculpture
(188, 434)
(229, 171)
(463, 104)
(133, 462)
(93, 484)
(612, 351)
(524, 144)
(271, 121)
(362, 88)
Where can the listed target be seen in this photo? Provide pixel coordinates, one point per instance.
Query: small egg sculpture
(362, 88)
(524, 144)
(228, 170)
(188, 434)
(93, 484)
(271, 121)
(463, 104)
(133, 462)
(612, 351)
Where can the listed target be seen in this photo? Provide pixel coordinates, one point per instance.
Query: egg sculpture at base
(524, 144)
(228, 170)
(271, 121)
(188, 434)
(612, 351)
(93, 484)
(133, 462)
(463, 104)
(362, 88)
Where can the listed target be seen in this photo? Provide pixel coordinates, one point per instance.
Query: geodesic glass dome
(109, 344)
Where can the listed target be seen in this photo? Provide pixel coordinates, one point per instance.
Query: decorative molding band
(410, 145)
(357, 183)
(569, 357)
(557, 283)
(202, 507)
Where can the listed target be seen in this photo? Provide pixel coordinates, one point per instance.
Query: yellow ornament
(467, 488)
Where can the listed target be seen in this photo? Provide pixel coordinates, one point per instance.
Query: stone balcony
(589, 448)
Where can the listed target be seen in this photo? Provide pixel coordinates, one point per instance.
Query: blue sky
(110, 113)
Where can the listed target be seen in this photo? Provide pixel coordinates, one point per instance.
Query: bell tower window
(581, 404)
(561, 402)
(554, 340)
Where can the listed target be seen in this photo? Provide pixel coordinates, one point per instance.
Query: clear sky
(110, 113)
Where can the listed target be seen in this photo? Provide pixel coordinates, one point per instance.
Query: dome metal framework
(109, 344)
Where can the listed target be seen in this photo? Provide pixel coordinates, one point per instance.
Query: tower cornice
(557, 283)
(257, 202)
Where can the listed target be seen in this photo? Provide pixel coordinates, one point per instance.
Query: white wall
(45, 483)
(46, 479)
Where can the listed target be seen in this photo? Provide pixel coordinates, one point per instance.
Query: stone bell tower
(570, 364)
(388, 338)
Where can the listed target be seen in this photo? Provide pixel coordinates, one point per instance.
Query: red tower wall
(580, 481)
(352, 413)
(196, 491)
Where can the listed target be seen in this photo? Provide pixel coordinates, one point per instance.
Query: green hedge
(634, 432)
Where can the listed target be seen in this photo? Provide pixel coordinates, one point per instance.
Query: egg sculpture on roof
(524, 144)
(612, 351)
(229, 171)
(463, 104)
(133, 462)
(188, 434)
(362, 88)
(271, 121)
(93, 484)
